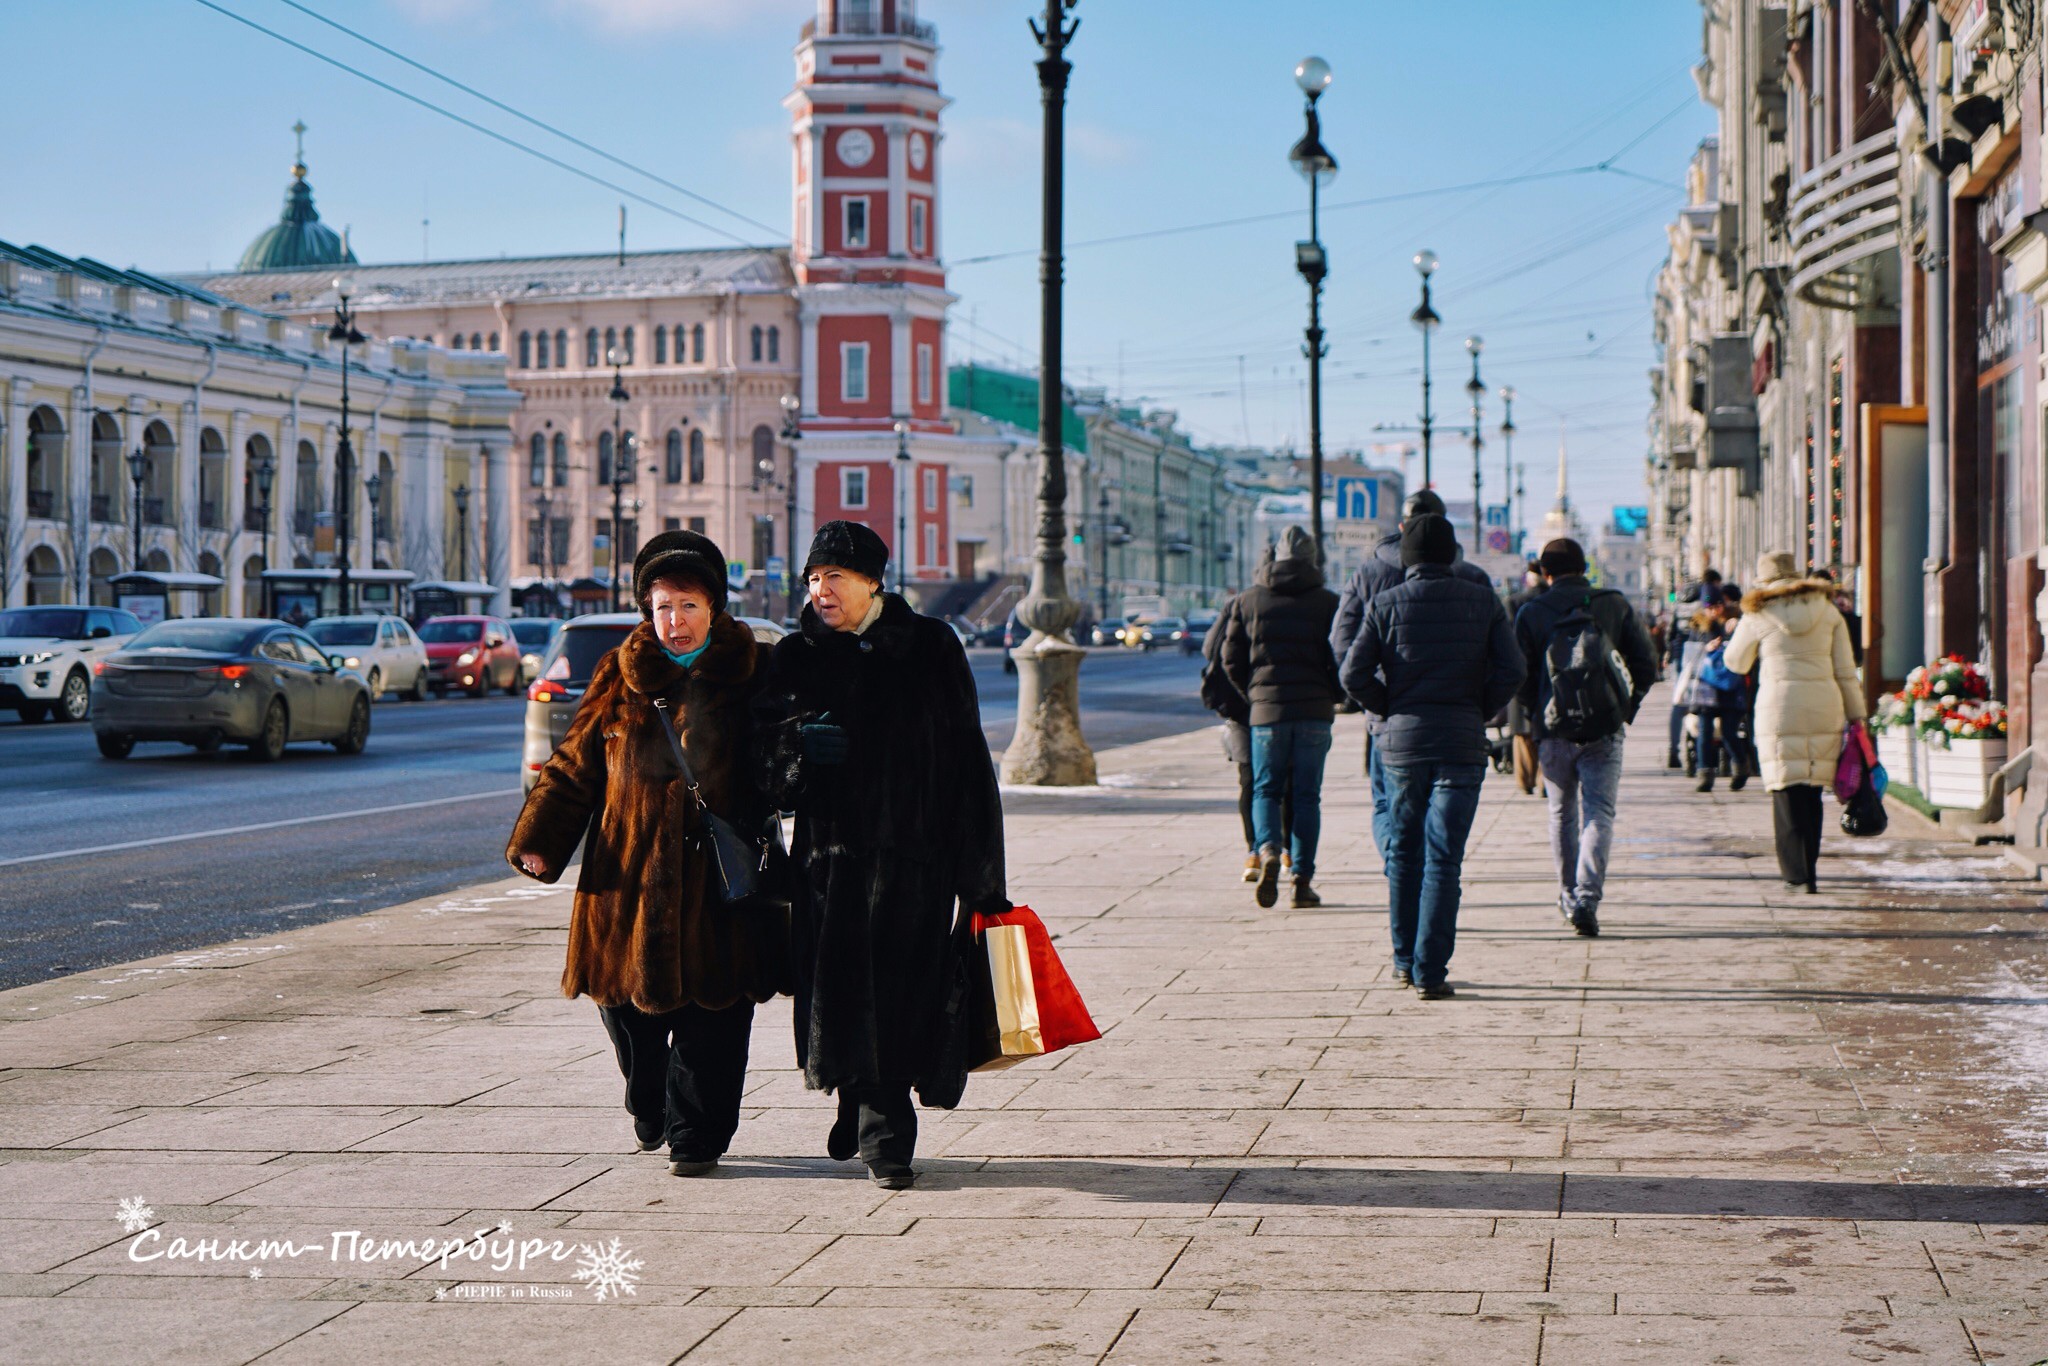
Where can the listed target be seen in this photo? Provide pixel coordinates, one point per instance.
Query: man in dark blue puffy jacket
(1435, 656)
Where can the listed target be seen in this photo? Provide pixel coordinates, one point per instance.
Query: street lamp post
(1507, 441)
(1521, 503)
(1477, 390)
(461, 531)
(1319, 168)
(373, 487)
(344, 331)
(620, 467)
(792, 432)
(265, 473)
(138, 470)
(902, 501)
(544, 505)
(1425, 319)
(1048, 750)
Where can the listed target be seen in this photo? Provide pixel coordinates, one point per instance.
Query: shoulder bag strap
(675, 749)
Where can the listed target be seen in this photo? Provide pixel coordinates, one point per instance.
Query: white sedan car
(384, 650)
(47, 654)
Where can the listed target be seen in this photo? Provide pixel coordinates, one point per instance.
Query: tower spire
(1563, 499)
(299, 153)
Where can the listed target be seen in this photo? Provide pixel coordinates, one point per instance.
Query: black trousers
(685, 1069)
(888, 1122)
(1795, 815)
(1244, 810)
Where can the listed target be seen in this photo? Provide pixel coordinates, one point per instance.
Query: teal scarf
(691, 658)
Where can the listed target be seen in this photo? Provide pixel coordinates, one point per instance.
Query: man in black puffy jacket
(1435, 656)
(1276, 652)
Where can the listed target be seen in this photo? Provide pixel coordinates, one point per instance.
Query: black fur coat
(887, 844)
(647, 928)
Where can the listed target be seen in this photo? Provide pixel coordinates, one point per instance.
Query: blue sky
(161, 139)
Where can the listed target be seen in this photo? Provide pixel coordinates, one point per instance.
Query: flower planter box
(1899, 751)
(1960, 775)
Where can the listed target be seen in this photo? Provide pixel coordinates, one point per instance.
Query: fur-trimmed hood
(731, 656)
(1797, 604)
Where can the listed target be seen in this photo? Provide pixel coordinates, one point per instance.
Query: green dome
(298, 240)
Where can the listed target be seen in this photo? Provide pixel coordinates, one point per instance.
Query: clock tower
(871, 292)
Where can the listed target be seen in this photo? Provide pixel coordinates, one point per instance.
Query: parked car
(1198, 631)
(383, 649)
(47, 654)
(1108, 631)
(475, 654)
(565, 674)
(209, 681)
(534, 635)
(1015, 633)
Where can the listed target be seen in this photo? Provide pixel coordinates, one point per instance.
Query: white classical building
(99, 364)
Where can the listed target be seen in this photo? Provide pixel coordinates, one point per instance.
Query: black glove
(824, 744)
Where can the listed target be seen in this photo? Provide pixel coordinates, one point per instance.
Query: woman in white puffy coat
(1807, 691)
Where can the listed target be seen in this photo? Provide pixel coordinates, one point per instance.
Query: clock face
(856, 148)
(918, 154)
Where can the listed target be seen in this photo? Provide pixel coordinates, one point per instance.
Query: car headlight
(40, 657)
(351, 662)
(467, 657)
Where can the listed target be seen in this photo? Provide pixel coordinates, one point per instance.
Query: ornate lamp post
(344, 331)
(1426, 320)
(138, 470)
(1048, 750)
(1507, 441)
(1477, 390)
(902, 500)
(1318, 168)
(461, 532)
(265, 474)
(621, 467)
(544, 505)
(373, 487)
(792, 432)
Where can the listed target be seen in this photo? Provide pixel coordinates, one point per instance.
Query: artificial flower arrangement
(1978, 721)
(1894, 712)
(1950, 677)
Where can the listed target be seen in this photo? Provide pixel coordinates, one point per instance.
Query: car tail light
(99, 667)
(232, 671)
(546, 690)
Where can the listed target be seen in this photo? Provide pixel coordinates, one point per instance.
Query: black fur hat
(686, 555)
(849, 545)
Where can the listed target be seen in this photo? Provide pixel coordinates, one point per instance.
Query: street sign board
(1630, 520)
(777, 567)
(1358, 499)
(736, 574)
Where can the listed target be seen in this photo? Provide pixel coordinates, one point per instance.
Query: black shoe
(1706, 782)
(1440, 991)
(844, 1141)
(1268, 890)
(1305, 895)
(1672, 761)
(1402, 979)
(1586, 924)
(1794, 883)
(1813, 889)
(683, 1166)
(891, 1177)
(649, 1133)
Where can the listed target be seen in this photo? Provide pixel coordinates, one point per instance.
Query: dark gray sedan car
(206, 681)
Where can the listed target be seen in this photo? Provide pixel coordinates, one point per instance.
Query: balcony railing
(1844, 211)
(871, 25)
(41, 503)
(103, 506)
(153, 512)
(209, 513)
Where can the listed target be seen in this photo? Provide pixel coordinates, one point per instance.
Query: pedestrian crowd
(1453, 680)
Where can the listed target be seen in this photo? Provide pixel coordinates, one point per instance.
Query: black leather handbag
(742, 869)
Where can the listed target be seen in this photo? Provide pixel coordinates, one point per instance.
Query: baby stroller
(1694, 692)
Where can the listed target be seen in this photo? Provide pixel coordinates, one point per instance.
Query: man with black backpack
(1590, 665)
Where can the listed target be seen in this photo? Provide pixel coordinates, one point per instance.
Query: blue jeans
(1287, 762)
(1377, 772)
(1429, 813)
(1580, 783)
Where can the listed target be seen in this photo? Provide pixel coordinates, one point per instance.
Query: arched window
(101, 566)
(673, 469)
(455, 342)
(387, 497)
(697, 455)
(774, 345)
(213, 475)
(46, 578)
(561, 459)
(494, 341)
(611, 347)
(764, 453)
(476, 341)
(110, 487)
(159, 489)
(252, 586)
(661, 346)
(543, 353)
(590, 352)
(209, 601)
(755, 351)
(305, 490)
(604, 457)
(697, 343)
(629, 346)
(682, 344)
(46, 461)
(561, 348)
(526, 349)
(537, 460)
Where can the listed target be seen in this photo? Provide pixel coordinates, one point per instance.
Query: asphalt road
(103, 862)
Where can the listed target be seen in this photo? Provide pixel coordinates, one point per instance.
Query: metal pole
(1478, 391)
(1934, 262)
(619, 398)
(1507, 440)
(1048, 749)
(1316, 351)
(1426, 475)
(344, 460)
(141, 469)
(789, 558)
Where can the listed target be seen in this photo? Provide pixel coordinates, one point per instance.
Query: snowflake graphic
(255, 1273)
(609, 1269)
(440, 1292)
(135, 1214)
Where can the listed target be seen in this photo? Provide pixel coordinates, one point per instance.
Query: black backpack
(1589, 688)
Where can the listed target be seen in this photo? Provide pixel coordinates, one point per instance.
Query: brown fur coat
(647, 927)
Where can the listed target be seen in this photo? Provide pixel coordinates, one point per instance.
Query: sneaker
(1564, 906)
(683, 1166)
(1305, 895)
(1251, 867)
(1739, 781)
(1269, 880)
(1286, 861)
(1438, 991)
(892, 1178)
(1706, 782)
(1587, 924)
(649, 1133)
(1402, 978)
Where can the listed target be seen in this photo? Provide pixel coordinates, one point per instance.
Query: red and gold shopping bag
(1026, 1004)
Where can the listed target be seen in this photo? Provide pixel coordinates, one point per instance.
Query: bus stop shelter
(300, 595)
(152, 594)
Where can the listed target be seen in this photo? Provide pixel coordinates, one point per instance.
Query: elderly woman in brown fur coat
(674, 971)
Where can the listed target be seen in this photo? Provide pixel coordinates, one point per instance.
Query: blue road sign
(1358, 499)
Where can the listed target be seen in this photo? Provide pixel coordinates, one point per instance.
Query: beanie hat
(1774, 565)
(1296, 544)
(849, 545)
(686, 555)
(1428, 539)
(1420, 502)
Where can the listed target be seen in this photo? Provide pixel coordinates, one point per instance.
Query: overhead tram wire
(474, 126)
(524, 117)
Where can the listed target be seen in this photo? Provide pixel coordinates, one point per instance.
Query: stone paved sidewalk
(1745, 1125)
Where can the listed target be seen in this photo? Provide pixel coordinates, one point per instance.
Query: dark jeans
(1377, 772)
(1678, 715)
(888, 1122)
(685, 1068)
(1287, 763)
(1244, 809)
(1796, 817)
(1429, 813)
(1729, 722)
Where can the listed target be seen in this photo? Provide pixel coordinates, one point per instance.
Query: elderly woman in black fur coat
(871, 733)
